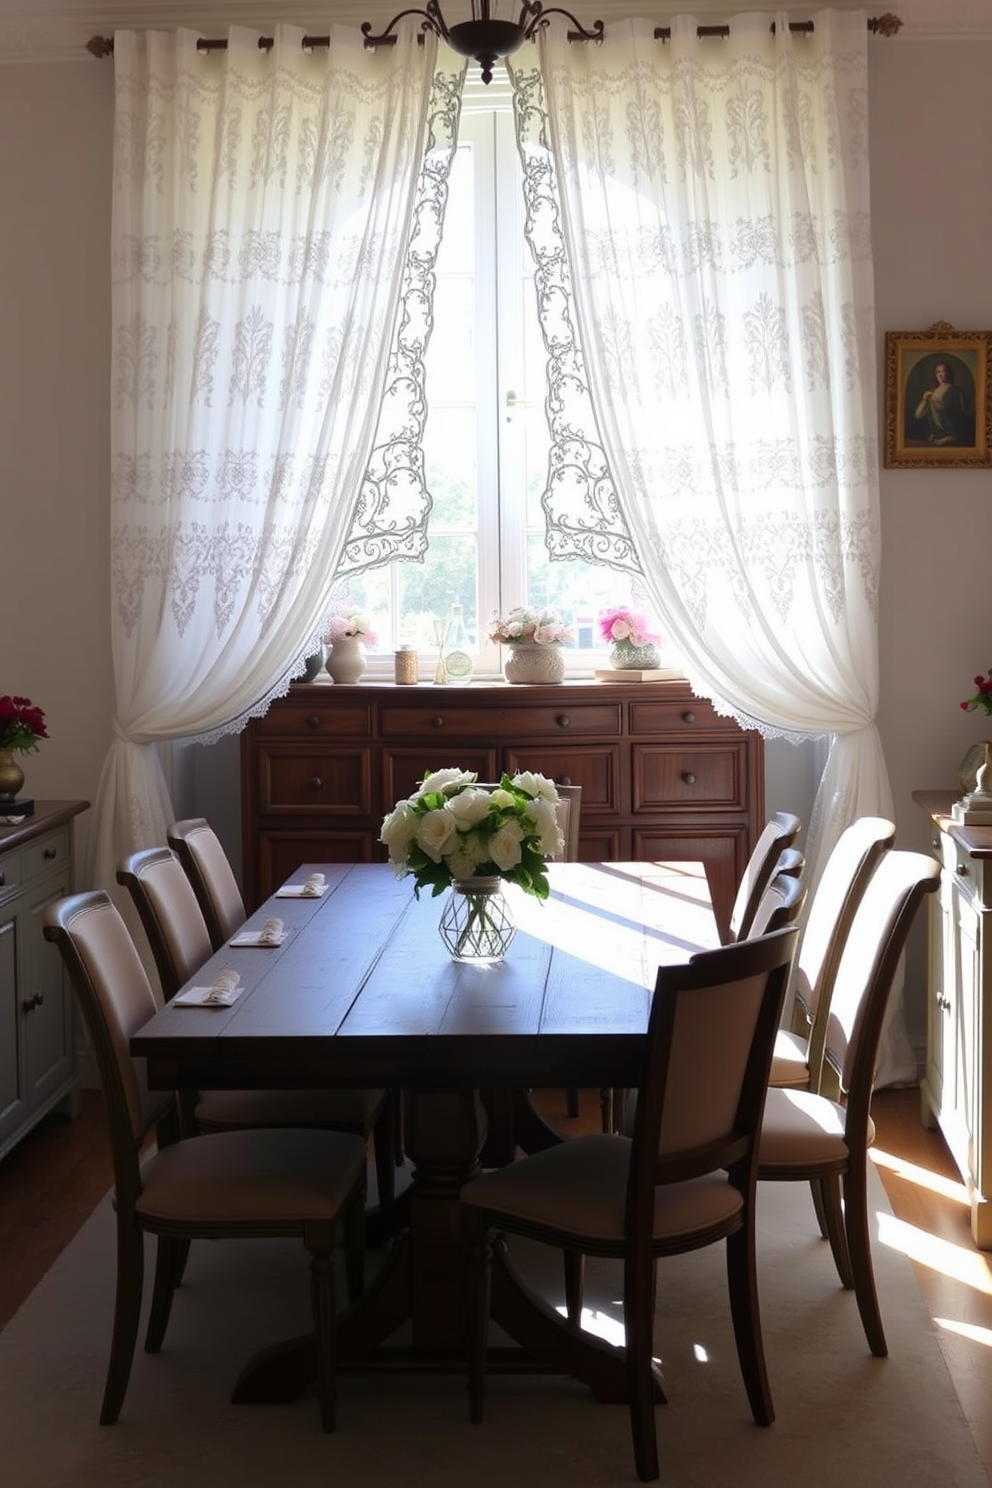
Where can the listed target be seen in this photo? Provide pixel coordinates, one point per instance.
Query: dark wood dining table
(363, 992)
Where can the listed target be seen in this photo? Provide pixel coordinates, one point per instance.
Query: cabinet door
(404, 767)
(46, 1000)
(595, 767)
(280, 852)
(12, 1102)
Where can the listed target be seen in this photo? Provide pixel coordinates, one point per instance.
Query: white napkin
(272, 933)
(312, 888)
(225, 989)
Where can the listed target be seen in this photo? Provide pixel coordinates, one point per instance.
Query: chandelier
(484, 38)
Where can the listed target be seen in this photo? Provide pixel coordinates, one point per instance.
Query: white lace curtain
(261, 212)
(715, 213)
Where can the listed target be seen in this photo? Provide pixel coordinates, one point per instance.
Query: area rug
(843, 1418)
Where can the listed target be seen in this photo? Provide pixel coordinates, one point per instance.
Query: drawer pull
(963, 870)
(313, 721)
(30, 1003)
(564, 780)
(315, 782)
(688, 716)
(688, 778)
(437, 722)
(50, 852)
(935, 843)
(563, 720)
(944, 1003)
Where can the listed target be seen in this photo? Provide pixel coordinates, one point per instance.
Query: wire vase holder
(476, 924)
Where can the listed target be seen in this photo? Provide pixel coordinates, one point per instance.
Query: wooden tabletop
(363, 991)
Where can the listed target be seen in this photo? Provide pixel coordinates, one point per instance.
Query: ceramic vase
(625, 657)
(346, 659)
(11, 775)
(978, 755)
(526, 662)
(476, 922)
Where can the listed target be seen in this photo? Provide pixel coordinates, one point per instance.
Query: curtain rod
(885, 25)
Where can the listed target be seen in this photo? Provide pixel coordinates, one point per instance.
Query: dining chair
(180, 944)
(798, 1058)
(251, 1184)
(684, 1179)
(209, 870)
(808, 1137)
(781, 904)
(778, 833)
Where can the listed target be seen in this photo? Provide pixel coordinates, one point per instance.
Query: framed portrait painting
(937, 409)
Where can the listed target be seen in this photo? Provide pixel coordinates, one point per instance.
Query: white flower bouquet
(453, 829)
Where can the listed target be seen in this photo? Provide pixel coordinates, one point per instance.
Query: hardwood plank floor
(51, 1182)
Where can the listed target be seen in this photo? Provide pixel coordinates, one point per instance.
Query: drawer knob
(437, 722)
(315, 782)
(688, 778)
(51, 852)
(30, 1003)
(935, 844)
(963, 870)
(563, 720)
(564, 780)
(313, 721)
(688, 716)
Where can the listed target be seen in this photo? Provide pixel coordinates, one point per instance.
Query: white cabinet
(959, 1004)
(37, 1024)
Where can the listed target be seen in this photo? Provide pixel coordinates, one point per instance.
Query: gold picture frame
(937, 409)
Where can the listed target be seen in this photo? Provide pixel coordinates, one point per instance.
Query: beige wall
(931, 124)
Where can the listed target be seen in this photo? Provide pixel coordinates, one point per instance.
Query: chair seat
(580, 1188)
(254, 1177)
(800, 1129)
(299, 1108)
(789, 1061)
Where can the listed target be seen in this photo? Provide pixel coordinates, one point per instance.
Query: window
(486, 440)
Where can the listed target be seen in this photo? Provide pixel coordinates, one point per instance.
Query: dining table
(360, 990)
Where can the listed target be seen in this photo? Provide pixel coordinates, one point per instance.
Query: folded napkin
(272, 933)
(224, 990)
(313, 886)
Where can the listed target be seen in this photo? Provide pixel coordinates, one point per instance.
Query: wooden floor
(52, 1180)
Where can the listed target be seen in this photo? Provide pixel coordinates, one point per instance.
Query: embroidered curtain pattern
(262, 208)
(714, 207)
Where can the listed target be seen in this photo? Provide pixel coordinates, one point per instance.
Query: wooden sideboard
(662, 775)
(37, 1026)
(959, 1003)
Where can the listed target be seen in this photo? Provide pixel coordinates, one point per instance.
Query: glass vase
(625, 657)
(476, 922)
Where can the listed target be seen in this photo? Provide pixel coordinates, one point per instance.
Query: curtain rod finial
(886, 25)
(101, 46)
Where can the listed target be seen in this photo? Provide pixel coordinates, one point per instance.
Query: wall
(931, 123)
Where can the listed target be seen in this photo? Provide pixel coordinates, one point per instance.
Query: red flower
(22, 724)
(982, 699)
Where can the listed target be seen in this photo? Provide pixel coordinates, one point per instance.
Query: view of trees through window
(486, 442)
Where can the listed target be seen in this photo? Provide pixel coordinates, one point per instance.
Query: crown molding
(58, 30)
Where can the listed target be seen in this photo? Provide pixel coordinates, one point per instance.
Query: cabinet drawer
(972, 875)
(686, 717)
(713, 776)
(499, 723)
(11, 873)
(595, 769)
(307, 721)
(301, 780)
(404, 769)
(50, 851)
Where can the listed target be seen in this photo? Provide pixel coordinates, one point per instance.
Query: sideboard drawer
(678, 718)
(302, 721)
(468, 722)
(595, 769)
(302, 781)
(49, 852)
(713, 776)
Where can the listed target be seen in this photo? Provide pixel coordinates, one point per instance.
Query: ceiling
(36, 30)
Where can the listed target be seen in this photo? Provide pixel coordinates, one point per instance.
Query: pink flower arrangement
(624, 626)
(21, 724)
(982, 700)
(350, 620)
(529, 627)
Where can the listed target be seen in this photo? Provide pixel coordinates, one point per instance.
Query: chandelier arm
(541, 17)
(432, 21)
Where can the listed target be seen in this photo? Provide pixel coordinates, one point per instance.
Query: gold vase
(11, 775)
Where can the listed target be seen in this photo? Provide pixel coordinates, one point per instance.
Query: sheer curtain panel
(261, 211)
(715, 214)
